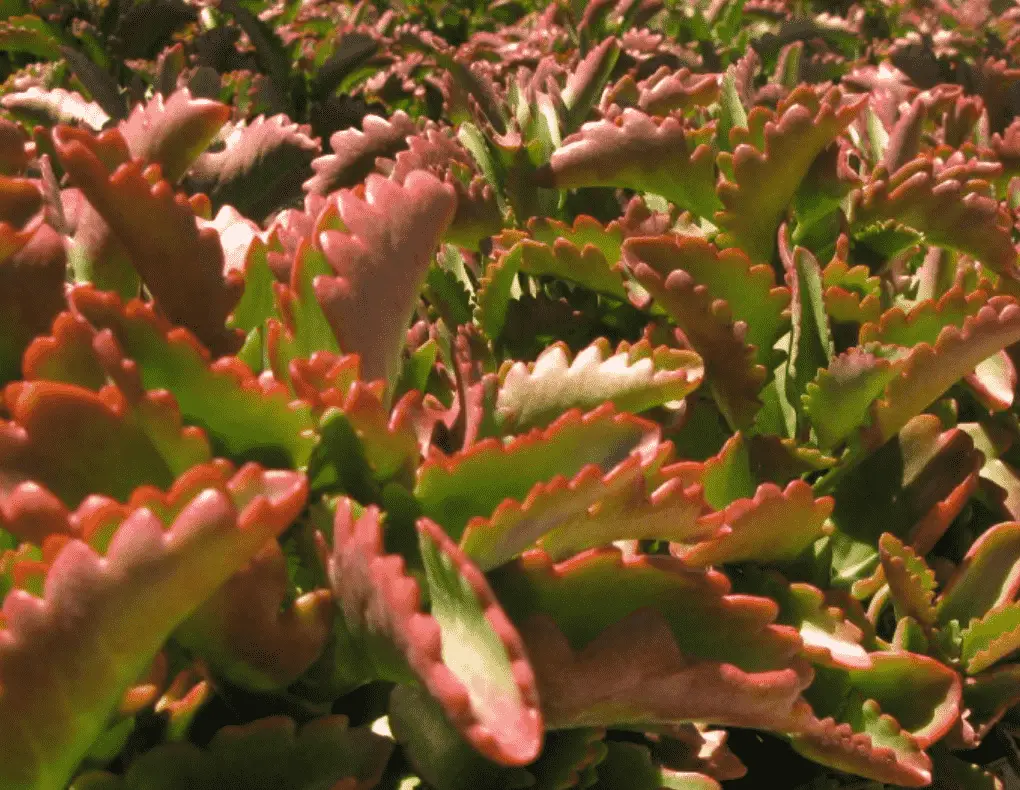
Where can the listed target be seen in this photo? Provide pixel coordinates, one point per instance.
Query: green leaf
(992, 638)
(987, 579)
(911, 582)
(811, 344)
(776, 525)
(731, 111)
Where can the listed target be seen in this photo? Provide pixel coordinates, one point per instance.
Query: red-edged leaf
(172, 132)
(663, 644)
(636, 151)
(57, 429)
(244, 417)
(769, 162)
(181, 265)
(453, 489)
(774, 526)
(466, 653)
(355, 152)
(948, 204)
(102, 619)
(987, 579)
(634, 378)
(381, 263)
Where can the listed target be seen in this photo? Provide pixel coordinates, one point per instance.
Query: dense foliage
(614, 395)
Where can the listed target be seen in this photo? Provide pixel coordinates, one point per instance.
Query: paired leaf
(56, 430)
(244, 417)
(102, 618)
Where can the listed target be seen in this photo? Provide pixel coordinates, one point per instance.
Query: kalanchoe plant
(536, 395)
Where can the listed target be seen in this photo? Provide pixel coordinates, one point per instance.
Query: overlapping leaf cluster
(522, 395)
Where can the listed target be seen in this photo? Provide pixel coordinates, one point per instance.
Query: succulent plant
(549, 395)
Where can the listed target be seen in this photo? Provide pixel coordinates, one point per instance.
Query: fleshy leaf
(634, 379)
(102, 618)
(947, 204)
(55, 106)
(875, 747)
(271, 754)
(586, 82)
(172, 132)
(911, 581)
(992, 638)
(830, 639)
(243, 417)
(636, 151)
(732, 373)
(921, 693)
(483, 650)
(811, 344)
(467, 654)
(925, 321)
(837, 401)
(665, 644)
(260, 169)
(987, 579)
(56, 429)
(763, 177)
(912, 487)
(355, 152)
(774, 526)
(381, 263)
(749, 290)
(887, 394)
(453, 489)
(589, 510)
(181, 265)
(667, 91)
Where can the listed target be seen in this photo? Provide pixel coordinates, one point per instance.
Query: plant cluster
(509, 395)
